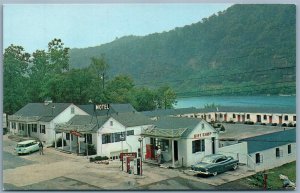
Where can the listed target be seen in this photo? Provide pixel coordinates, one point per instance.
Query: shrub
(284, 125)
(274, 124)
(295, 125)
(263, 124)
(98, 158)
(249, 122)
(58, 142)
(290, 125)
(91, 150)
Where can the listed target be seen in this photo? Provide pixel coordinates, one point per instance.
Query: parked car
(215, 164)
(27, 146)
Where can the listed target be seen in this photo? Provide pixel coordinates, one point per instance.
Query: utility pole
(103, 80)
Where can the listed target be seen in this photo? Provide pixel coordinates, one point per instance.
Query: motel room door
(270, 119)
(213, 147)
(175, 150)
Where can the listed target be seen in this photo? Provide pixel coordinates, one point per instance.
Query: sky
(80, 26)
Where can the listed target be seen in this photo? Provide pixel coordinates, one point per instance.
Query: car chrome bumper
(200, 172)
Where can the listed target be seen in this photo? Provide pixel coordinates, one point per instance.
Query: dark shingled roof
(113, 108)
(45, 112)
(89, 122)
(178, 123)
(268, 141)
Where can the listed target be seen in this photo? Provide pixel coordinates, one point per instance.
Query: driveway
(59, 171)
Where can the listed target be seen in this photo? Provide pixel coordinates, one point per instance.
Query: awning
(162, 133)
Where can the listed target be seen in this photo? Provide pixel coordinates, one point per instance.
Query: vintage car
(215, 164)
(27, 146)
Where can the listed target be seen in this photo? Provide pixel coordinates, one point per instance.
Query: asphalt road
(11, 161)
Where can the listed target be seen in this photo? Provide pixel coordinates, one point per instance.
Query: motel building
(110, 134)
(258, 147)
(183, 141)
(38, 120)
(258, 115)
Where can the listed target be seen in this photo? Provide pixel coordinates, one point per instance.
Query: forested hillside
(246, 49)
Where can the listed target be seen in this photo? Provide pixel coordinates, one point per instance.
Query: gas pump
(137, 166)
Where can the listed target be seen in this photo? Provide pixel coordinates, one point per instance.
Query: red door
(280, 119)
(225, 117)
(239, 118)
(270, 119)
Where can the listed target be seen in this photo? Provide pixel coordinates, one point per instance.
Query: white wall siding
(271, 161)
(237, 151)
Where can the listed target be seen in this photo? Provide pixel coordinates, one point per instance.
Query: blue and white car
(27, 146)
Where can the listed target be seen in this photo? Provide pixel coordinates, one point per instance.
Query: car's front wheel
(235, 166)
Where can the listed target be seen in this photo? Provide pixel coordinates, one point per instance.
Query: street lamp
(141, 153)
(122, 139)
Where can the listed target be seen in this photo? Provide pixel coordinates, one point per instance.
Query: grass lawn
(274, 183)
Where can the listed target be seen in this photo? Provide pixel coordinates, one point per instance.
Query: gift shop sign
(200, 135)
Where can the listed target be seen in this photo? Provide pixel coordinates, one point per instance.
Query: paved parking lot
(59, 171)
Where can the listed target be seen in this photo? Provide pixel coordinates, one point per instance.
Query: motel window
(106, 138)
(286, 118)
(131, 132)
(258, 158)
(209, 116)
(289, 149)
(88, 138)
(42, 129)
(294, 118)
(248, 116)
(33, 127)
(198, 146)
(72, 110)
(233, 116)
(279, 153)
(221, 115)
(67, 136)
(265, 117)
(111, 123)
(164, 144)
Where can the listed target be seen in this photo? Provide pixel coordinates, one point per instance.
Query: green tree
(144, 99)
(165, 97)
(119, 90)
(16, 62)
(58, 56)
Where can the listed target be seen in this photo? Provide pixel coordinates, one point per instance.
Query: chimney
(47, 102)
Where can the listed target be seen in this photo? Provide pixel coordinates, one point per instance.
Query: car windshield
(207, 160)
(21, 145)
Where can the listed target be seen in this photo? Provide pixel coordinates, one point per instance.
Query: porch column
(70, 142)
(173, 156)
(62, 140)
(78, 144)
(27, 130)
(55, 142)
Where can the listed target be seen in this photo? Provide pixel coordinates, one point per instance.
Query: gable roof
(131, 119)
(259, 109)
(44, 112)
(172, 127)
(268, 141)
(113, 108)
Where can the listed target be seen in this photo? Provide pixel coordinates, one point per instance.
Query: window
(88, 138)
(289, 149)
(278, 153)
(13, 125)
(131, 132)
(164, 144)
(248, 116)
(67, 136)
(106, 138)
(209, 116)
(286, 118)
(265, 117)
(111, 123)
(294, 118)
(33, 127)
(72, 110)
(221, 115)
(198, 146)
(42, 129)
(220, 159)
(233, 116)
(258, 158)
(202, 125)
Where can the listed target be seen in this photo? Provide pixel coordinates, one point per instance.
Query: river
(258, 101)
